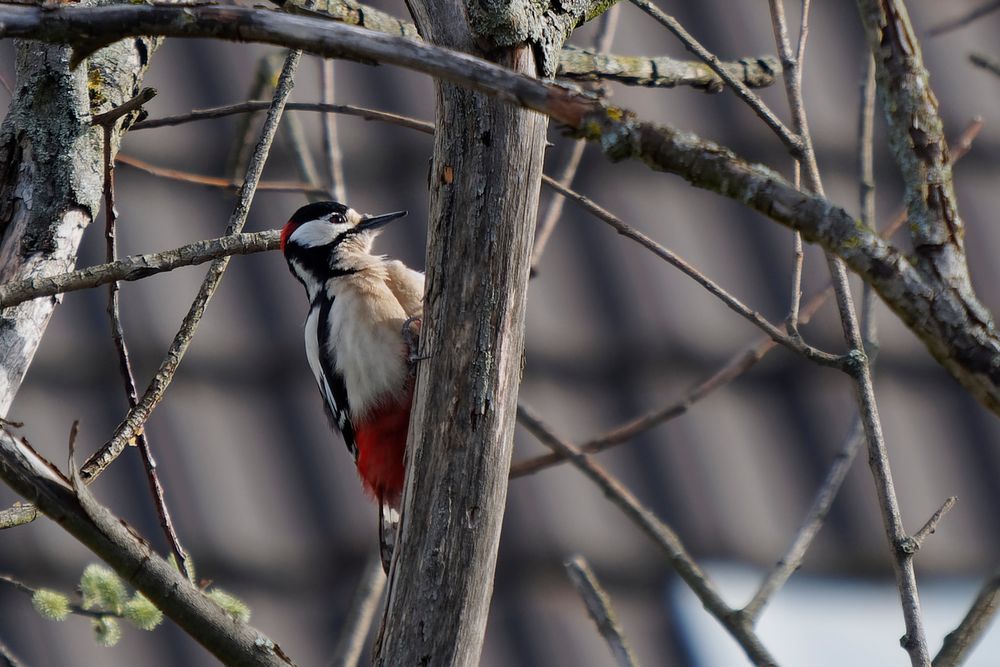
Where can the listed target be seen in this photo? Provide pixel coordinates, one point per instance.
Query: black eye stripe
(343, 235)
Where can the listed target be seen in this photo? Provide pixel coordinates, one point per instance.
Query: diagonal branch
(954, 325)
(71, 506)
(133, 424)
(664, 537)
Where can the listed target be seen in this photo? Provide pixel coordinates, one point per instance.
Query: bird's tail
(388, 529)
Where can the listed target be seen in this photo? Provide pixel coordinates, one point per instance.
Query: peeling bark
(51, 179)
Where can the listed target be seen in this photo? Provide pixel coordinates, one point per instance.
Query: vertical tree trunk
(51, 175)
(484, 196)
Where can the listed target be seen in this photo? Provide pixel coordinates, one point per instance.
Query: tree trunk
(51, 177)
(484, 195)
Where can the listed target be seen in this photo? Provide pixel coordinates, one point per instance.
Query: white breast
(366, 324)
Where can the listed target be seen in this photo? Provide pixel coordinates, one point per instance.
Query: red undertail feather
(381, 442)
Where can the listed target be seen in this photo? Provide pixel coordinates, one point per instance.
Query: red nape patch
(381, 441)
(286, 231)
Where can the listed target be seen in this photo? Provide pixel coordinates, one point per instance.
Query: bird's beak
(370, 222)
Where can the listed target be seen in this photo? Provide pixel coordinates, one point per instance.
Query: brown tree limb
(67, 502)
(953, 324)
(738, 364)
(661, 534)
(107, 121)
(213, 181)
(137, 416)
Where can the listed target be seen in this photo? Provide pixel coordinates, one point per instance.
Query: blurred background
(266, 499)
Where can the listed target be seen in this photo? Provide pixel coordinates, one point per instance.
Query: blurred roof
(265, 497)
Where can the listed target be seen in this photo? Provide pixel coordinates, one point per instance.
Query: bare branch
(107, 121)
(599, 607)
(251, 106)
(18, 515)
(133, 423)
(965, 19)
(578, 64)
(7, 657)
(72, 507)
(602, 42)
(737, 365)
(988, 63)
(814, 520)
(331, 145)
(734, 304)
(962, 639)
(660, 533)
(792, 142)
(213, 181)
(360, 615)
(930, 527)
(137, 267)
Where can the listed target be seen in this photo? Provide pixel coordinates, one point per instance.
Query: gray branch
(663, 72)
(599, 608)
(947, 316)
(68, 503)
(136, 267)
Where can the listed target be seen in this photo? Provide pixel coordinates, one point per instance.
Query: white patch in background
(828, 621)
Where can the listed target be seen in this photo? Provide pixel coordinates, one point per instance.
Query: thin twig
(811, 525)
(828, 490)
(791, 67)
(964, 20)
(7, 657)
(331, 143)
(962, 639)
(136, 267)
(734, 304)
(988, 63)
(358, 623)
(212, 181)
(255, 105)
(109, 120)
(132, 425)
(678, 557)
(602, 43)
(599, 607)
(791, 141)
(928, 528)
(743, 360)
(73, 607)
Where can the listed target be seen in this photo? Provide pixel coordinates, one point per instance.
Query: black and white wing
(330, 382)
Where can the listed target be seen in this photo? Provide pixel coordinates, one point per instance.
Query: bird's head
(327, 240)
(334, 227)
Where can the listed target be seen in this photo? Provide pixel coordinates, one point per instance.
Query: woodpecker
(360, 333)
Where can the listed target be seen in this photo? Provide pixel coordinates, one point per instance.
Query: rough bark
(953, 324)
(51, 176)
(484, 194)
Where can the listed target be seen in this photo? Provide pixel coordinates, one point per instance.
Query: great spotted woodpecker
(359, 334)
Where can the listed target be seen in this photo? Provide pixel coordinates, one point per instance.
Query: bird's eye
(336, 219)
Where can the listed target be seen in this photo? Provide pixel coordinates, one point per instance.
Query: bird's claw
(411, 336)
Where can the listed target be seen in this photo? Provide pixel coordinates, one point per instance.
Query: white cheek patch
(316, 233)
